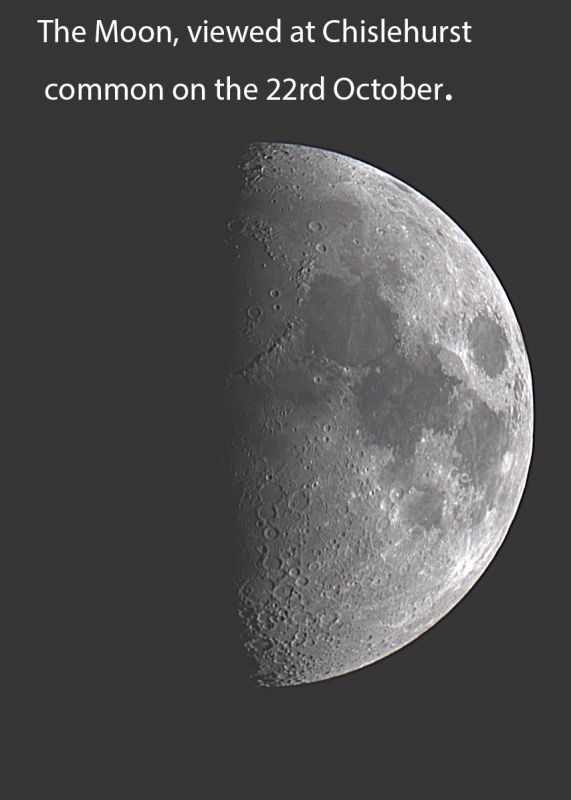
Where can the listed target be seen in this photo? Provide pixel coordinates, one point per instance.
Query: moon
(379, 409)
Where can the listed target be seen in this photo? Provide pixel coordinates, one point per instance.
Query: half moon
(379, 404)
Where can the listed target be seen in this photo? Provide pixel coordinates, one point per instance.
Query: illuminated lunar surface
(380, 408)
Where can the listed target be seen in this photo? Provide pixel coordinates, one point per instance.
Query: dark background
(117, 286)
